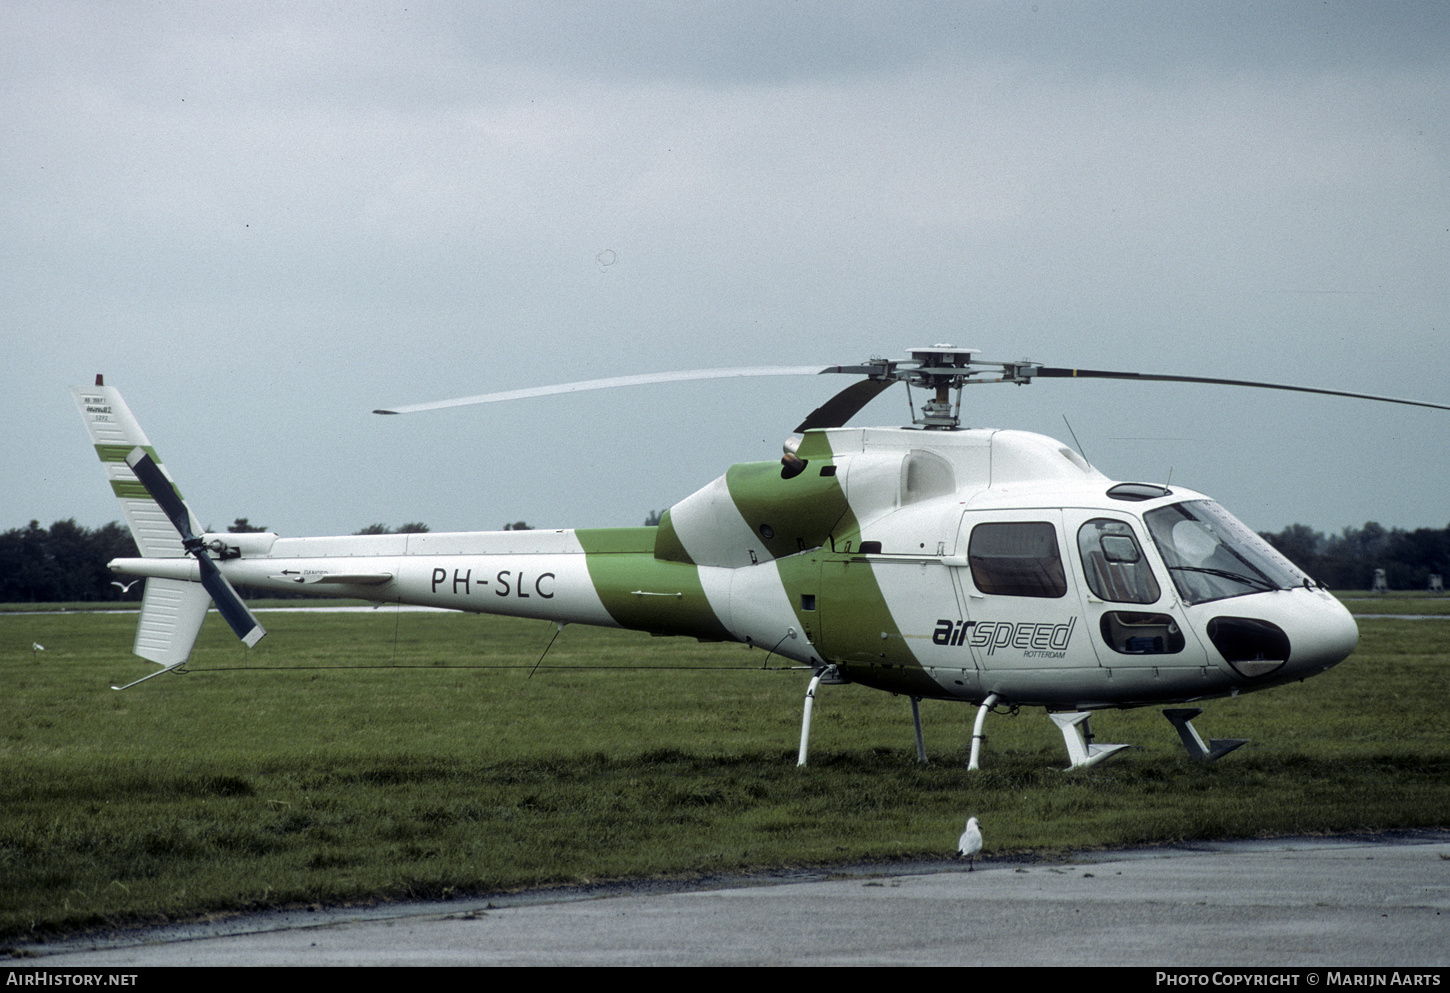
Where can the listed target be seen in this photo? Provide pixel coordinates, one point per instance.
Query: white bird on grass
(970, 843)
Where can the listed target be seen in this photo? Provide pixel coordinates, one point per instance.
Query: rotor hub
(940, 368)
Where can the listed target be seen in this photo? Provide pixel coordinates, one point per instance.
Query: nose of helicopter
(1323, 636)
(1309, 627)
(1287, 635)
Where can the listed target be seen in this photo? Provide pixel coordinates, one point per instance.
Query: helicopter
(987, 566)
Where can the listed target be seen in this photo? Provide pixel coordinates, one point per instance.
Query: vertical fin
(114, 433)
(171, 616)
(172, 610)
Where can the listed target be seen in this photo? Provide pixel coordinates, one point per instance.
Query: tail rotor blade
(161, 490)
(228, 603)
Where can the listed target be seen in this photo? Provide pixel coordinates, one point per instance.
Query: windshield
(1212, 555)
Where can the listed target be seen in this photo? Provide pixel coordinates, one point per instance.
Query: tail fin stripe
(132, 489)
(129, 489)
(118, 453)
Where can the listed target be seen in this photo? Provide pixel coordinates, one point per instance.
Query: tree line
(65, 562)
(1348, 560)
(68, 562)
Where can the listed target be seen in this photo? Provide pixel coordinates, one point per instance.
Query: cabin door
(1024, 609)
(1132, 614)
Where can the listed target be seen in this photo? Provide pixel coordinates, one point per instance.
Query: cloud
(268, 219)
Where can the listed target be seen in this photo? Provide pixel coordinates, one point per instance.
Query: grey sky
(261, 221)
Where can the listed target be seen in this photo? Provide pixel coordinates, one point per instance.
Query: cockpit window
(1114, 564)
(1017, 560)
(1211, 555)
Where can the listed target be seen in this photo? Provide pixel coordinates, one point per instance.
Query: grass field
(384, 755)
(1363, 602)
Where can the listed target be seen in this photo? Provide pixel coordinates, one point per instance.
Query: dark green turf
(286, 774)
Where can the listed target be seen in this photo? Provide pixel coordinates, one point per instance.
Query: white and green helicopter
(987, 566)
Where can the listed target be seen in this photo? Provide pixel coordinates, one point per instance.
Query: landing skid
(1077, 733)
(1076, 730)
(1216, 748)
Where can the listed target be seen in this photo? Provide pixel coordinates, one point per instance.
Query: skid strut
(829, 675)
(977, 736)
(916, 722)
(1216, 748)
(1077, 733)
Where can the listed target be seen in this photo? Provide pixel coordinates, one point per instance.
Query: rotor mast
(939, 368)
(943, 368)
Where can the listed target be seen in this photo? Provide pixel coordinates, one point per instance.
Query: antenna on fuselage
(1075, 441)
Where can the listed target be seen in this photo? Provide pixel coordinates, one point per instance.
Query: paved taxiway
(1315, 902)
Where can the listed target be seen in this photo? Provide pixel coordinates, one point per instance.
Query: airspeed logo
(992, 635)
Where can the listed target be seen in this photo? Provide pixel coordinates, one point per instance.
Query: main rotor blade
(1047, 373)
(844, 405)
(610, 383)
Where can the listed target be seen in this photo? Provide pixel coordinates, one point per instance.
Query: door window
(1017, 560)
(1113, 563)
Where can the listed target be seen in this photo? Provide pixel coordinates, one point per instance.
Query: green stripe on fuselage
(667, 542)
(851, 613)
(616, 541)
(790, 515)
(643, 592)
(858, 632)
